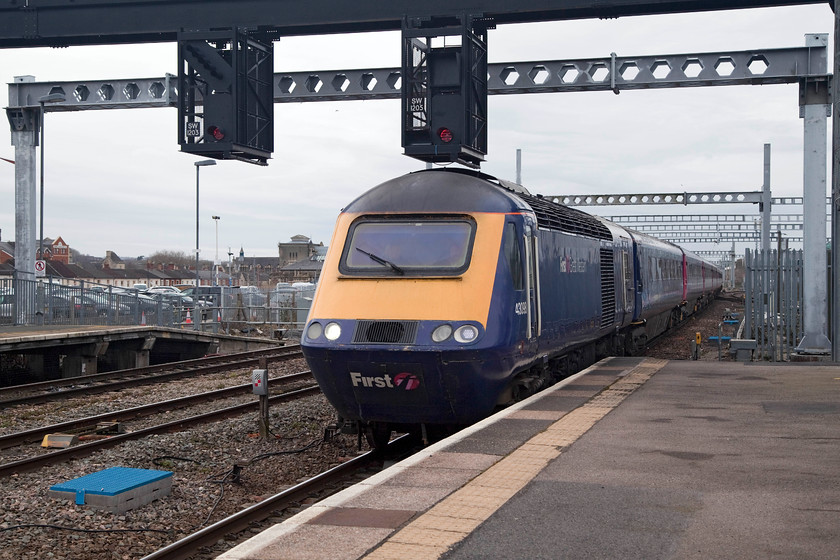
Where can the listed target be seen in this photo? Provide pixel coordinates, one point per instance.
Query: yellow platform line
(433, 533)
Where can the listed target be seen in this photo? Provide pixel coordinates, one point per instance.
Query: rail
(186, 547)
(85, 449)
(136, 412)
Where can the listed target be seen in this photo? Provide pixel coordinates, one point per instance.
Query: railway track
(240, 521)
(46, 391)
(86, 449)
(134, 413)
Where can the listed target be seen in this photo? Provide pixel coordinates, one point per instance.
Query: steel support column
(25, 139)
(766, 205)
(765, 208)
(24, 142)
(815, 109)
(835, 193)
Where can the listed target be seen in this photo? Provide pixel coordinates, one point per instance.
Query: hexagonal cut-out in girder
(599, 72)
(568, 73)
(629, 71)
(340, 82)
(758, 65)
(368, 81)
(394, 81)
(81, 93)
(106, 92)
(692, 67)
(509, 75)
(156, 90)
(313, 83)
(287, 84)
(539, 75)
(660, 69)
(131, 90)
(725, 66)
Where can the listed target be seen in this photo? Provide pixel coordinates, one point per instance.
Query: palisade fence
(773, 302)
(53, 301)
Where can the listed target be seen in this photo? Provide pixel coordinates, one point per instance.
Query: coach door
(532, 282)
(627, 291)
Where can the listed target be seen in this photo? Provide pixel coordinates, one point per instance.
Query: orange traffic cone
(189, 319)
(143, 319)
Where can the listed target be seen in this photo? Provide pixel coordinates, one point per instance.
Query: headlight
(314, 331)
(332, 331)
(466, 334)
(442, 333)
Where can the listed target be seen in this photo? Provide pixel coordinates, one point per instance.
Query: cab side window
(513, 256)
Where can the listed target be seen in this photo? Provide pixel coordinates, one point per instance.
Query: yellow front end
(465, 297)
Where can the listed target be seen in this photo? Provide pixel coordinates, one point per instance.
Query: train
(448, 293)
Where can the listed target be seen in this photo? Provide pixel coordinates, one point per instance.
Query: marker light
(216, 132)
(466, 334)
(332, 331)
(442, 333)
(314, 331)
(445, 135)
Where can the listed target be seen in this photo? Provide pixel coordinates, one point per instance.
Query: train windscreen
(414, 247)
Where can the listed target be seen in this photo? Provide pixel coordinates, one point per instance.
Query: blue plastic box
(117, 489)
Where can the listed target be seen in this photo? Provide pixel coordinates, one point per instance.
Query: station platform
(55, 351)
(631, 458)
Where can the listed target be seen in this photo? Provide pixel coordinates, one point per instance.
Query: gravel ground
(199, 458)
(677, 344)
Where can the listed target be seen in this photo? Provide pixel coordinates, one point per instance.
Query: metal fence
(286, 306)
(773, 302)
(53, 301)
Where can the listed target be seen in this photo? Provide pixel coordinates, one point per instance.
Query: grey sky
(115, 180)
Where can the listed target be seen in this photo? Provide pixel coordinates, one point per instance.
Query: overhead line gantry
(225, 62)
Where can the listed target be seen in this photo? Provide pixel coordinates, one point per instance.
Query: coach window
(514, 257)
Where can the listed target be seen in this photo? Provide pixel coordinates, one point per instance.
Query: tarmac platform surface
(632, 458)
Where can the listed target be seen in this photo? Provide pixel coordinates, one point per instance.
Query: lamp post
(230, 267)
(216, 261)
(198, 166)
(50, 98)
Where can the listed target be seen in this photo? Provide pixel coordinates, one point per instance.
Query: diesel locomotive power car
(446, 293)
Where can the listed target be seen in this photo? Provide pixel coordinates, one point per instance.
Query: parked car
(106, 305)
(163, 290)
(171, 294)
(204, 296)
(65, 306)
(139, 303)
